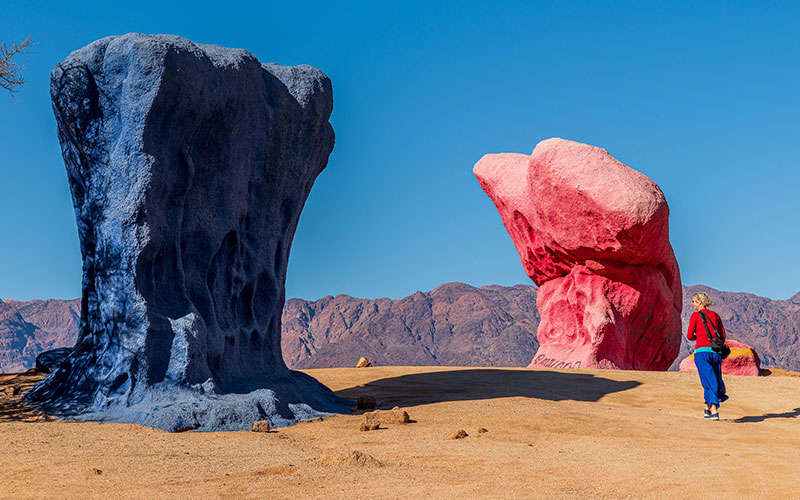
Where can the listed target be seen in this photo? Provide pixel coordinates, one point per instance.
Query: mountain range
(453, 325)
(28, 328)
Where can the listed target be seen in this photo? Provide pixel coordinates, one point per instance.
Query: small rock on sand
(11, 391)
(186, 428)
(386, 417)
(94, 472)
(260, 426)
(353, 458)
(459, 434)
(363, 363)
(369, 427)
(366, 403)
(481, 430)
(311, 420)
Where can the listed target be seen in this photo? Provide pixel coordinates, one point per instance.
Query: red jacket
(698, 331)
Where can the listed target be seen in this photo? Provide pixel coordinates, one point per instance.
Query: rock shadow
(12, 406)
(476, 384)
(760, 418)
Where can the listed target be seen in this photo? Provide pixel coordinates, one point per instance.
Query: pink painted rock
(593, 235)
(743, 360)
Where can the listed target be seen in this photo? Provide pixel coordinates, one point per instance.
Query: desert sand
(551, 434)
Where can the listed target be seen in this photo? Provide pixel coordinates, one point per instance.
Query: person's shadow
(760, 418)
(472, 384)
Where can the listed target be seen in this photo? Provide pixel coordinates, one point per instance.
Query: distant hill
(28, 328)
(771, 326)
(454, 325)
(460, 325)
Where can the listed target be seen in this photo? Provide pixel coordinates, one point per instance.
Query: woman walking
(708, 362)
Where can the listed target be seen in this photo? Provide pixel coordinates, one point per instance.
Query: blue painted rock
(49, 361)
(189, 166)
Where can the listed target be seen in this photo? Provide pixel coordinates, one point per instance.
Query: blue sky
(702, 97)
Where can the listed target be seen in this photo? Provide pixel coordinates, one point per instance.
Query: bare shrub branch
(10, 72)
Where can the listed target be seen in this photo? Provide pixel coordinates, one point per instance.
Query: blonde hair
(703, 298)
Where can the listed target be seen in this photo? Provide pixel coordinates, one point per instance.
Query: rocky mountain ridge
(29, 328)
(455, 324)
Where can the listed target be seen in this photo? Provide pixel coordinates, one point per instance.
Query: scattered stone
(481, 430)
(11, 391)
(459, 434)
(369, 426)
(593, 235)
(260, 426)
(387, 417)
(352, 458)
(93, 471)
(363, 363)
(366, 403)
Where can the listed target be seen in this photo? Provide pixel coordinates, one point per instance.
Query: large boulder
(593, 235)
(189, 166)
(743, 360)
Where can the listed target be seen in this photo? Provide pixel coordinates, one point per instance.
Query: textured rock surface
(49, 361)
(593, 234)
(189, 166)
(743, 360)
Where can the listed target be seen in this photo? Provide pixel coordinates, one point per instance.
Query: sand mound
(353, 458)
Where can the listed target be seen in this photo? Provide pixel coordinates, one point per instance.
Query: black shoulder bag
(717, 344)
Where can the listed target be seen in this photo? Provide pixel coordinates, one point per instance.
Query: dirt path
(551, 434)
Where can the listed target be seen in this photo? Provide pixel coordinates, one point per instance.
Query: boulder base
(49, 361)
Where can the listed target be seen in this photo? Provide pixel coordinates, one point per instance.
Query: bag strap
(708, 332)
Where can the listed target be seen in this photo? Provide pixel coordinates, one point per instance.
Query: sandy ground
(551, 434)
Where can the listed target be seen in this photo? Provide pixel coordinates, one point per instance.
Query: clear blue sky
(702, 97)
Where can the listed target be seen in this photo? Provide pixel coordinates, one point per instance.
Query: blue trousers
(709, 367)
